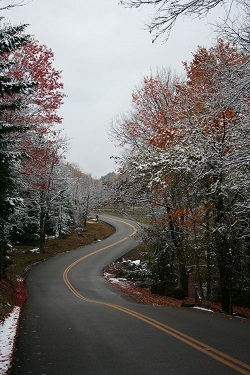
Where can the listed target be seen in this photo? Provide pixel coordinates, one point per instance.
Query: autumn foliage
(31, 143)
(188, 150)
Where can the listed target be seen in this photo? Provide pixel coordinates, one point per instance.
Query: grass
(138, 214)
(22, 259)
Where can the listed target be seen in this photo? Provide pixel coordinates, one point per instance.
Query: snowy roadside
(8, 330)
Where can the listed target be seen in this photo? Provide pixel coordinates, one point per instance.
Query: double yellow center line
(227, 360)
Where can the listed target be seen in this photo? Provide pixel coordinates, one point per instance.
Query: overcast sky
(103, 51)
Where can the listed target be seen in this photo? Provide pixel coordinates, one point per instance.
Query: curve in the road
(227, 360)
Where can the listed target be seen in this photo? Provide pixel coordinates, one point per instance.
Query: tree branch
(14, 4)
(167, 12)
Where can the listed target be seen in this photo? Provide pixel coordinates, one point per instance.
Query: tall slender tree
(11, 39)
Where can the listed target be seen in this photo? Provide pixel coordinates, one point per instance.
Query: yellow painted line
(227, 360)
(124, 222)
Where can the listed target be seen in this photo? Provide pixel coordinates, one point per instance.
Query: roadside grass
(22, 258)
(138, 214)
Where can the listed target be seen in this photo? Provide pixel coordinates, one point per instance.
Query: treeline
(186, 157)
(40, 194)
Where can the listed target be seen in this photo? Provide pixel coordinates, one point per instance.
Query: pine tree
(11, 93)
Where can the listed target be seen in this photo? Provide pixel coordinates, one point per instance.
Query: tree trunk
(200, 281)
(180, 251)
(42, 229)
(226, 299)
(208, 241)
(86, 212)
(209, 275)
(2, 251)
(223, 249)
(184, 277)
(226, 278)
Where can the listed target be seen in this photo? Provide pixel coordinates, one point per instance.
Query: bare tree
(166, 12)
(12, 4)
(237, 30)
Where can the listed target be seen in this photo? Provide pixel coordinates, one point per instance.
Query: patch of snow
(202, 308)
(36, 250)
(114, 280)
(7, 337)
(128, 261)
(19, 279)
(117, 280)
(106, 274)
(136, 262)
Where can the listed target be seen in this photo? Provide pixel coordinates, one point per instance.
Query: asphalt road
(75, 323)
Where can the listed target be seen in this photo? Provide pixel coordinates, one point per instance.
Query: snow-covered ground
(7, 338)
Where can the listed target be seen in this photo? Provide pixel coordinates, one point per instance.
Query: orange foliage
(154, 112)
(202, 97)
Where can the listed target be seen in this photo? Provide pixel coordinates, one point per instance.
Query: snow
(136, 262)
(36, 250)
(202, 308)
(114, 280)
(117, 280)
(132, 262)
(7, 337)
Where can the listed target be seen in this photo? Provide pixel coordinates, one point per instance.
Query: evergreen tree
(11, 93)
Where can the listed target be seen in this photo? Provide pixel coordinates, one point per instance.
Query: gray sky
(104, 51)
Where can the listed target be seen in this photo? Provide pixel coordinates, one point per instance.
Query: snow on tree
(85, 193)
(36, 61)
(11, 38)
(41, 143)
(191, 154)
(39, 175)
(151, 133)
(216, 125)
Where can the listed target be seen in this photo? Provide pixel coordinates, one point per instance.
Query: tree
(237, 30)
(167, 12)
(151, 133)
(36, 61)
(40, 175)
(191, 154)
(11, 38)
(50, 201)
(32, 114)
(42, 143)
(216, 125)
(80, 189)
(12, 5)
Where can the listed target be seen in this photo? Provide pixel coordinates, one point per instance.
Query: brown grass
(21, 260)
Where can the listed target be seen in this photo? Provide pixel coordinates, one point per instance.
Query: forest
(185, 161)
(186, 158)
(40, 194)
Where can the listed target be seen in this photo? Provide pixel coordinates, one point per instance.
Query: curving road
(75, 323)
